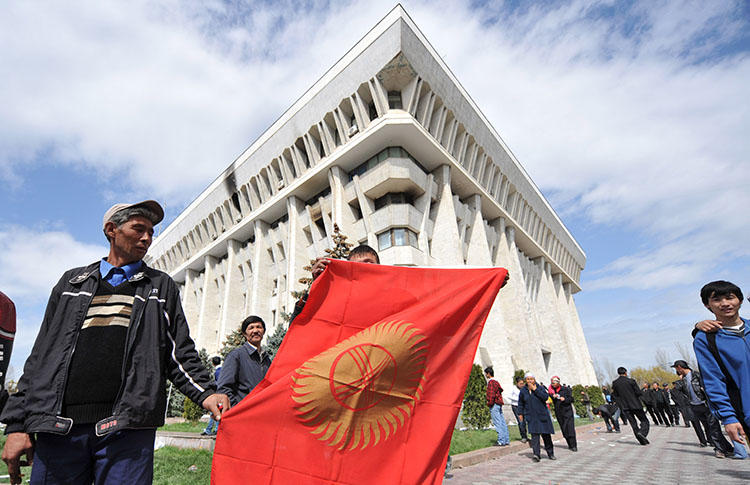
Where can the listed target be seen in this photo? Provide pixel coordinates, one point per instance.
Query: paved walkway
(673, 457)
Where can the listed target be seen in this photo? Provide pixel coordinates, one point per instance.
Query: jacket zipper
(61, 397)
(128, 347)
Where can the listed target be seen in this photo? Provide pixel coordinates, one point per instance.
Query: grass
(172, 466)
(186, 427)
(475, 439)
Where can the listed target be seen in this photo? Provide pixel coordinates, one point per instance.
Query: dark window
(394, 100)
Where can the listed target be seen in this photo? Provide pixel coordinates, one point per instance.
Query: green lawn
(172, 466)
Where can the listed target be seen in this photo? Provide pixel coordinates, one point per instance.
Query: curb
(485, 454)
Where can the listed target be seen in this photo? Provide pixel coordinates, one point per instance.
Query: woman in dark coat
(532, 408)
(562, 397)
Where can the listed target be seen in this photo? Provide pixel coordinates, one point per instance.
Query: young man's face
(254, 333)
(725, 306)
(364, 258)
(519, 383)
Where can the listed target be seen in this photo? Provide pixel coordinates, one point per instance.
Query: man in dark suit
(245, 366)
(627, 395)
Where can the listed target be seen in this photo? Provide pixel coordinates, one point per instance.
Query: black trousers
(654, 416)
(662, 411)
(548, 446)
(568, 430)
(675, 413)
(521, 424)
(712, 429)
(643, 428)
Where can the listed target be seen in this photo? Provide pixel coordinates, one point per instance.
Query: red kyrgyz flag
(368, 381)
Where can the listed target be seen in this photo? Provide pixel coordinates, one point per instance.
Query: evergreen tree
(340, 250)
(475, 412)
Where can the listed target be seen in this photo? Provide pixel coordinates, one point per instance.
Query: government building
(389, 146)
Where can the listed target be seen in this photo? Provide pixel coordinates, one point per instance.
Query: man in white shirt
(514, 406)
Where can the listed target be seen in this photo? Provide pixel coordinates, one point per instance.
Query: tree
(340, 250)
(475, 413)
(686, 353)
(652, 374)
(518, 374)
(233, 340)
(662, 359)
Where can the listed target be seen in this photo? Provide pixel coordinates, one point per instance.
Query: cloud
(32, 261)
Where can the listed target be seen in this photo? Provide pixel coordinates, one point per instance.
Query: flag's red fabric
(368, 382)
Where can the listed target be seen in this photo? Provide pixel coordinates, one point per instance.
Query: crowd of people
(93, 388)
(704, 401)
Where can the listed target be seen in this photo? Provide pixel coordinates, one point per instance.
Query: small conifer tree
(475, 412)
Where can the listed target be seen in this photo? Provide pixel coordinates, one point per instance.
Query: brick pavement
(673, 457)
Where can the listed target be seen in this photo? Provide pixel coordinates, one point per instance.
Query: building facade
(388, 145)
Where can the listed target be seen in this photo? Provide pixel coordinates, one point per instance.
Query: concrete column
(296, 257)
(423, 204)
(367, 207)
(263, 271)
(233, 303)
(478, 253)
(446, 247)
(206, 301)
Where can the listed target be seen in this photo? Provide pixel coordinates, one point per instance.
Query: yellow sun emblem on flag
(361, 391)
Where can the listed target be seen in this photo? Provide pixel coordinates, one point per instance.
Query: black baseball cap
(680, 363)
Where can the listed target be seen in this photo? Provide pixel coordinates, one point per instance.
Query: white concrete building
(388, 145)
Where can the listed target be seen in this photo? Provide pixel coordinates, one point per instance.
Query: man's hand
(217, 404)
(318, 267)
(734, 430)
(16, 445)
(505, 281)
(532, 387)
(709, 326)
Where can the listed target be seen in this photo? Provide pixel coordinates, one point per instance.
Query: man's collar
(129, 269)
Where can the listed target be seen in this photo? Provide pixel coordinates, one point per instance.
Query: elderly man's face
(530, 380)
(131, 240)
(254, 333)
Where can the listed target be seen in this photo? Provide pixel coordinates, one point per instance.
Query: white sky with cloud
(632, 122)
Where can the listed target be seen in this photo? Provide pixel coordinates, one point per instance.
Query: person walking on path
(532, 408)
(562, 398)
(627, 394)
(700, 415)
(495, 403)
(723, 356)
(7, 334)
(648, 401)
(93, 390)
(658, 399)
(513, 398)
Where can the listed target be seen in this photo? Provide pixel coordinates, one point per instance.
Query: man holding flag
(367, 384)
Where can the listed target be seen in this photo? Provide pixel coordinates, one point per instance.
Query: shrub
(595, 396)
(191, 411)
(476, 414)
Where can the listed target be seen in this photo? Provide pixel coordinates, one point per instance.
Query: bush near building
(475, 412)
(595, 395)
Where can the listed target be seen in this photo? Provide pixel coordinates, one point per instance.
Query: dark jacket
(626, 393)
(695, 381)
(563, 408)
(158, 348)
(533, 408)
(656, 397)
(244, 367)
